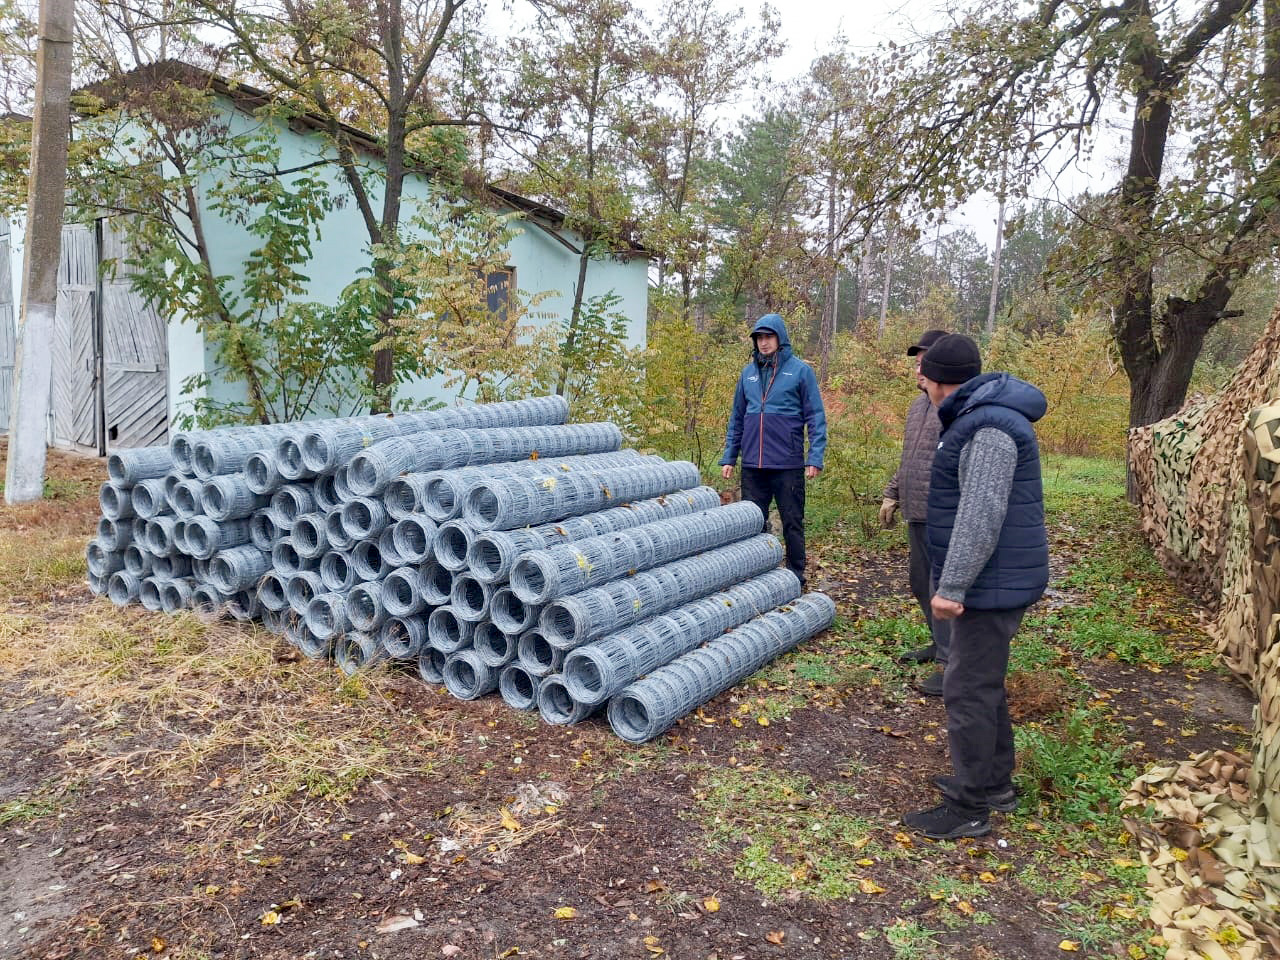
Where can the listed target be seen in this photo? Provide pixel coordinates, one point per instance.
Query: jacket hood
(998, 389)
(772, 323)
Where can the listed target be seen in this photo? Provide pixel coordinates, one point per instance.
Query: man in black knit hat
(990, 560)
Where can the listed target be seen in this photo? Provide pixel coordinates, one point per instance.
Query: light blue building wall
(541, 264)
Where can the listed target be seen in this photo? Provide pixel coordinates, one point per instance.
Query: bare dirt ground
(154, 802)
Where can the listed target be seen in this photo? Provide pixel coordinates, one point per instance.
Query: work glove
(887, 509)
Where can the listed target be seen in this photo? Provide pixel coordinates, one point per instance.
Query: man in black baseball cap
(908, 491)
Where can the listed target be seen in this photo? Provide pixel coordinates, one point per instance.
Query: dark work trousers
(978, 727)
(786, 487)
(920, 576)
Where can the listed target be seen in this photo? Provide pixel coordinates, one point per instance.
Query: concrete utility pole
(33, 361)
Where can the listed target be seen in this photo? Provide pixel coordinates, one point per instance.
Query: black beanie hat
(951, 359)
(927, 340)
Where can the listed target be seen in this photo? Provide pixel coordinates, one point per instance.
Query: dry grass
(190, 702)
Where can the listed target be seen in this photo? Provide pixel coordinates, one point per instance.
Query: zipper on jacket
(764, 398)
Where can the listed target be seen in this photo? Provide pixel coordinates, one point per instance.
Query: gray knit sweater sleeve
(987, 463)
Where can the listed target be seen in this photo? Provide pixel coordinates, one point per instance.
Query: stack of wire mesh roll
(493, 546)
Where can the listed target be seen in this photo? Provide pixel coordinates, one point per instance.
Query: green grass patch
(1077, 764)
(787, 836)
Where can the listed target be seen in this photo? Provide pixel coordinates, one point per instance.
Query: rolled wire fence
(491, 547)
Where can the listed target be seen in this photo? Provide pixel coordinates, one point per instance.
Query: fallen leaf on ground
(565, 913)
(450, 950)
(1071, 946)
(711, 904)
(508, 821)
(867, 885)
(270, 918)
(396, 923)
(775, 936)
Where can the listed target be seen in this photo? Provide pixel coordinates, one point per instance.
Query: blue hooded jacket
(1018, 571)
(773, 406)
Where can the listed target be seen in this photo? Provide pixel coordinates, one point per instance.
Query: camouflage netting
(1209, 493)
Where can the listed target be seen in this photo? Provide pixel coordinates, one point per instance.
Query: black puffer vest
(1018, 570)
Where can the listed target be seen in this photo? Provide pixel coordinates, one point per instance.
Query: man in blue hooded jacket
(777, 401)
(990, 558)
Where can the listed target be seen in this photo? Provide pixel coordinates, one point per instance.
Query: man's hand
(944, 609)
(727, 471)
(887, 509)
(811, 472)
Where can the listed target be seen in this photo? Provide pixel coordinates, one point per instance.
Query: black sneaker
(931, 686)
(1006, 801)
(943, 823)
(1003, 801)
(923, 655)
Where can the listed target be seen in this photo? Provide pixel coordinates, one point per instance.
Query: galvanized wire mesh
(448, 632)
(103, 562)
(238, 568)
(414, 538)
(293, 500)
(114, 534)
(205, 536)
(556, 704)
(262, 472)
(494, 552)
(372, 469)
(440, 493)
(149, 594)
(336, 571)
(505, 503)
(403, 637)
(364, 517)
(406, 495)
(519, 687)
(364, 607)
(326, 615)
(149, 498)
(160, 533)
(128, 467)
(470, 598)
(367, 561)
(186, 496)
(511, 614)
(402, 593)
(115, 501)
(437, 582)
(571, 621)
(301, 588)
(647, 707)
(467, 677)
(537, 656)
(356, 650)
(598, 670)
(495, 647)
(452, 544)
(543, 575)
(136, 559)
(229, 498)
(431, 665)
(123, 587)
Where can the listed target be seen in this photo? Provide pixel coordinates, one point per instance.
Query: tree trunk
(575, 316)
(33, 360)
(888, 276)
(995, 268)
